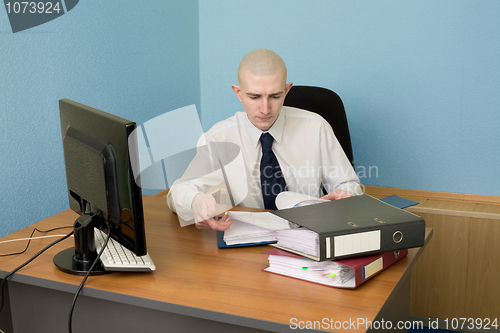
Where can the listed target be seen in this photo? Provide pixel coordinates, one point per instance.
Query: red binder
(364, 268)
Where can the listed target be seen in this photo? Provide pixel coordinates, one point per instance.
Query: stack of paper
(328, 273)
(261, 219)
(346, 273)
(301, 240)
(249, 227)
(243, 233)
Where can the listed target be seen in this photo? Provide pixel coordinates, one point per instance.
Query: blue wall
(420, 79)
(134, 60)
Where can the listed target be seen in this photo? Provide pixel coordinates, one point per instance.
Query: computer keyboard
(118, 258)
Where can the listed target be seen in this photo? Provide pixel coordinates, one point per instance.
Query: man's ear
(237, 91)
(288, 86)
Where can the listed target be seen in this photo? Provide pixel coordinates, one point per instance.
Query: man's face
(262, 97)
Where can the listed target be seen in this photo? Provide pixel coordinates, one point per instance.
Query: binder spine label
(328, 249)
(373, 268)
(355, 243)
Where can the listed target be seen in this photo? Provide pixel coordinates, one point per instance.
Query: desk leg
(5, 316)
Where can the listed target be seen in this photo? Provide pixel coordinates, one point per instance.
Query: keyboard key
(118, 258)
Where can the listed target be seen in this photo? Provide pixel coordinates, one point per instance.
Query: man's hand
(203, 207)
(337, 194)
(212, 223)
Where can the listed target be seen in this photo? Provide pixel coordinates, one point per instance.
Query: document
(329, 273)
(245, 233)
(253, 228)
(287, 199)
(261, 219)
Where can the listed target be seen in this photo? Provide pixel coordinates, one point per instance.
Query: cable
(29, 241)
(30, 238)
(26, 263)
(70, 319)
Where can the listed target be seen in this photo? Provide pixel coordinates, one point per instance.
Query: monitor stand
(78, 260)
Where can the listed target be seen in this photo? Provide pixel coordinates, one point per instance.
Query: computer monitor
(100, 154)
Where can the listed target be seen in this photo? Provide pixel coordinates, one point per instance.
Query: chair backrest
(327, 104)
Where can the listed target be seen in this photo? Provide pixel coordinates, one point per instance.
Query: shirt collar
(276, 130)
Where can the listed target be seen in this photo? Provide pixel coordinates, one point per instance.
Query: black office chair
(327, 104)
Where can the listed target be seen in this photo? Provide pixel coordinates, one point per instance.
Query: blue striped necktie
(271, 177)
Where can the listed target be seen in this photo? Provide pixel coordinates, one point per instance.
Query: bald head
(262, 87)
(261, 62)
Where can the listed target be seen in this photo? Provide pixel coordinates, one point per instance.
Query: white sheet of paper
(288, 199)
(261, 219)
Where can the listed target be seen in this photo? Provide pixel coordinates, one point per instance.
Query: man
(303, 155)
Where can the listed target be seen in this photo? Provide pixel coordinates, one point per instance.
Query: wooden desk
(196, 287)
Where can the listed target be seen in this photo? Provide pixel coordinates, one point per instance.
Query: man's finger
(222, 224)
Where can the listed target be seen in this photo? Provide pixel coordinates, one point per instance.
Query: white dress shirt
(308, 152)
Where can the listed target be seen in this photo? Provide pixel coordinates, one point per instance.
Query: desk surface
(193, 277)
